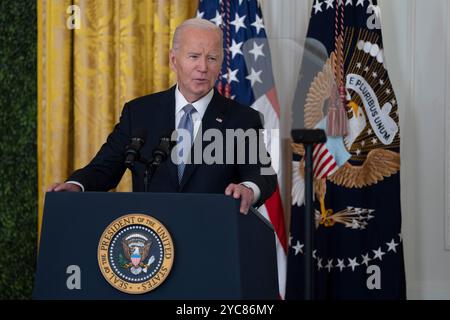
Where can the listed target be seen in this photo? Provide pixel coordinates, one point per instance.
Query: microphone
(160, 154)
(162, 151)
(132, 150)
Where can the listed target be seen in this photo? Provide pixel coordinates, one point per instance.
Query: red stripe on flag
(322, 154)
(316, 149)
(274, 208)
(324, 164)
(273, 99)
(327, 172)
(324, 173)
(331, 169)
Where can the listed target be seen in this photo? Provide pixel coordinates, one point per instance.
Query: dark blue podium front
(219, 253)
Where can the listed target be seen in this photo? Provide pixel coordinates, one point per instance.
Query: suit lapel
(169, 125)
(214, 117)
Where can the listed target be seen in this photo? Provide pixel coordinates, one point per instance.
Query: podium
(218, 253)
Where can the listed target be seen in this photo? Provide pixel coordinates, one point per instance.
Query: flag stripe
(324, 164)
(274, 206)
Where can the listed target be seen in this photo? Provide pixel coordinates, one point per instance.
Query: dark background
(18, 153)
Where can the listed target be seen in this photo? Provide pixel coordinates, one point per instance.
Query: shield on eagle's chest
(136, 257)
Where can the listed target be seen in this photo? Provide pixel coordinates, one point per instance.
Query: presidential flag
(246, 77)
(357, 251)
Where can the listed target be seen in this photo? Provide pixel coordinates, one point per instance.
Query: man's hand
(239, 191)
(64, 187)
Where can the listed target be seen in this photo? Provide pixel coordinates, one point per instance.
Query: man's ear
(172, 60)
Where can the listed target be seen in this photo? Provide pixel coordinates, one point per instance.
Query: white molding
(428, 290)
(447, 133)
(409, 211)
(408, 189)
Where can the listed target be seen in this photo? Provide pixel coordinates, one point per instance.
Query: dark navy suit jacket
(156, 113)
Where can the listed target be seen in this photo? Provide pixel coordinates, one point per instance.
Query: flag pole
(309, 137)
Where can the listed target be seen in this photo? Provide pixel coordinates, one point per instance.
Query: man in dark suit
(193, 105)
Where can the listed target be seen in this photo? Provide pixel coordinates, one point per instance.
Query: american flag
(246, 76)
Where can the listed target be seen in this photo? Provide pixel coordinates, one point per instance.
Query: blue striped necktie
(186, 123)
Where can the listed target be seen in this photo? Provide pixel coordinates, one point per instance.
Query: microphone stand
(150, 168)
(160, 153)
(148, 172)
(308, 137)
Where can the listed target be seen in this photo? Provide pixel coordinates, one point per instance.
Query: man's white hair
(196, 23)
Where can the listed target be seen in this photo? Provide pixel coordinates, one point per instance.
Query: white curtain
(286, 24)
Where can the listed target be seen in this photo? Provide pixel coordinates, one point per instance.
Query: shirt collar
(199, 105)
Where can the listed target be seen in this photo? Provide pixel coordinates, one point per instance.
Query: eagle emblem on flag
(344, 89)
(363, 156)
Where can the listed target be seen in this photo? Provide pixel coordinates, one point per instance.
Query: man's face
(197, 61)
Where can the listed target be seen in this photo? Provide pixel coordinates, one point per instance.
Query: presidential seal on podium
(135, 253)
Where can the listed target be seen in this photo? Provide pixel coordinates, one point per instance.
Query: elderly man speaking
(192, 104)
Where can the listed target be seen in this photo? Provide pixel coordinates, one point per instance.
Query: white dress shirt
(199, 105)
